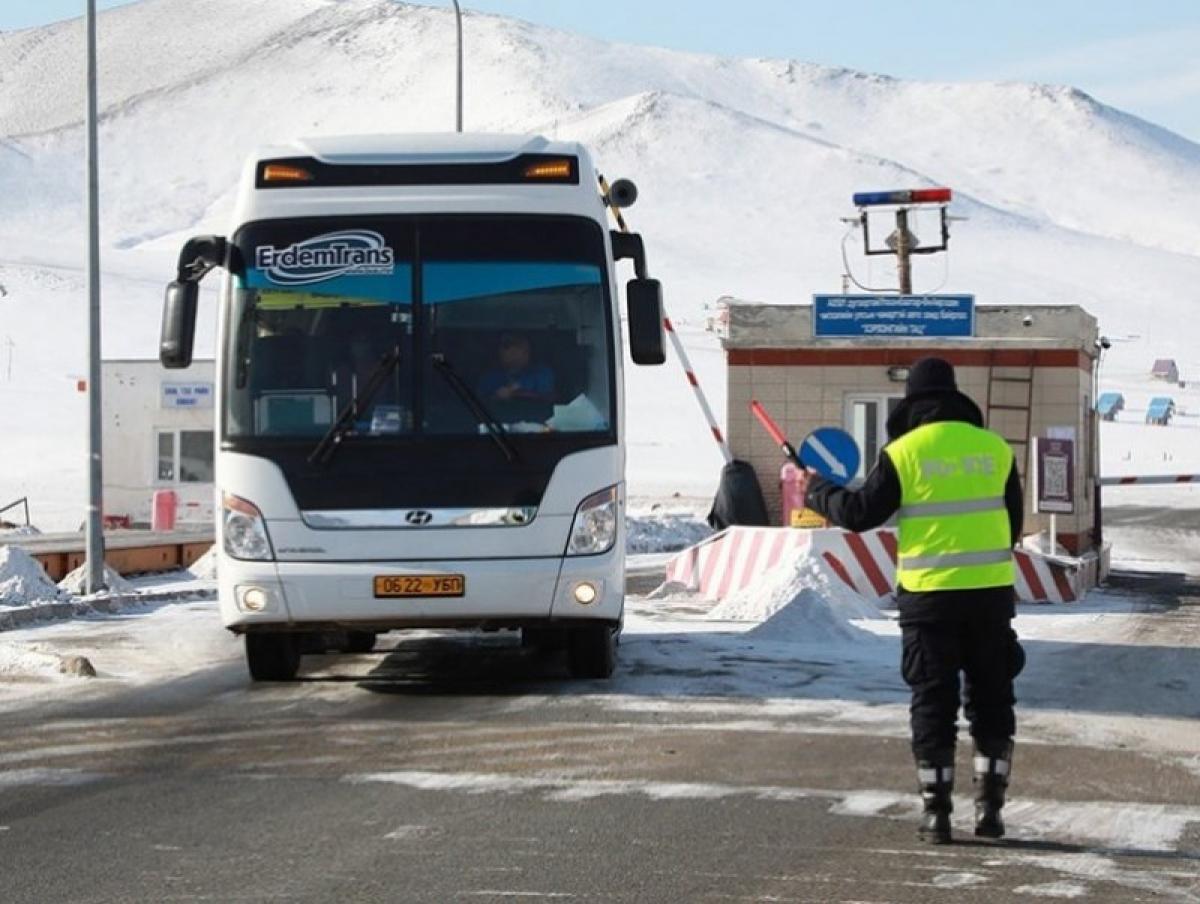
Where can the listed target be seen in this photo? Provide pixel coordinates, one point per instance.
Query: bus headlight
(244, 530)
(595, 527)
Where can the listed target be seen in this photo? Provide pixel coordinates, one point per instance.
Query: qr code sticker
(1055, 473)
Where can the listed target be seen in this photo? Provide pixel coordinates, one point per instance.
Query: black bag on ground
(739, 499)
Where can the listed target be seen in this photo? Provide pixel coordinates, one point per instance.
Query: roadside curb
(24, 616)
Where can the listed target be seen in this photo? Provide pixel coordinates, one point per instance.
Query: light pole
(458, 18)
(1103, 344)
(95, 525)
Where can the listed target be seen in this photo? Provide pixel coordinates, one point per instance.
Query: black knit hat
(930, 375)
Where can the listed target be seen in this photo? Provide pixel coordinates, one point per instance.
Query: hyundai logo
(418, 519)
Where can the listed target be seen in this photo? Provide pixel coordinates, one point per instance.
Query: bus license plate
(418, 585)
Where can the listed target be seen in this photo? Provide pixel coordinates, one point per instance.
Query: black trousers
(983, 649)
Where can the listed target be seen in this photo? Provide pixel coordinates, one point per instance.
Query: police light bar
(913, 196)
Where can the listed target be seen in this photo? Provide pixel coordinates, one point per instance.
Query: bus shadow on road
(667, 664)
(456, 665)
(1102, 678)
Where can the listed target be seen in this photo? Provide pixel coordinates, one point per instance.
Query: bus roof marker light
(283, 172)
(550, 169)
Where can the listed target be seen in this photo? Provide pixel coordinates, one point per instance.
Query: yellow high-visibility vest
(954, 527)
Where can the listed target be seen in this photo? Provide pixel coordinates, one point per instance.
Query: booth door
(866, 420)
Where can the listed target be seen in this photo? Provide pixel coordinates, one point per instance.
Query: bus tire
(273, 657)
(360, 641)
(592, 651)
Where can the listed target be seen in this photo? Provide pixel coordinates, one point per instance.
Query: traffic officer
(955, 488)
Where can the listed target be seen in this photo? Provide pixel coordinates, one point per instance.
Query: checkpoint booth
(158, 444)
(842, 362)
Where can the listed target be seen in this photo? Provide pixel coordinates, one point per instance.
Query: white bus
(420, 414)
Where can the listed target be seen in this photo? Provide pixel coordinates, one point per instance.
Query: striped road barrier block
(1044, 580)
(734, 559)
(737, 558)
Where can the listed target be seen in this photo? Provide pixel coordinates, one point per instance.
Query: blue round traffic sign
(832, 453)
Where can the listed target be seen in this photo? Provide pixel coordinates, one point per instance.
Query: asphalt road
(1152, 517)
(452, 770)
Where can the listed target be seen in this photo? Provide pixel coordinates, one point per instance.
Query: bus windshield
(514, 307)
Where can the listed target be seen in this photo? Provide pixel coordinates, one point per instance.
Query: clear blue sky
(1142, 56)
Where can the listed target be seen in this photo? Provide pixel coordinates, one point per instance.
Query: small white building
(158, 436)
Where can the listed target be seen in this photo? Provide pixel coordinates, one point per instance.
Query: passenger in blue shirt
(516, 379)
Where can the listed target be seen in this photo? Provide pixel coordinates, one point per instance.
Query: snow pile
(76, 581)
(23, 581)
(800, 601)
(663, 532)
(205, 567)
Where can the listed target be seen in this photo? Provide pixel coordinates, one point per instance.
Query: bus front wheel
(273, 657)
(592, 651)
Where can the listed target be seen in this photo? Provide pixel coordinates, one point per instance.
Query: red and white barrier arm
(1150, 480)
(688, 370)
(694, 382)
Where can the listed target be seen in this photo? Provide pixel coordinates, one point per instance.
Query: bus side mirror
(179, 325)
(646, 337)
(200, 255)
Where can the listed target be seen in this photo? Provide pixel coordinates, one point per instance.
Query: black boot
(991, 783)
(936, 784)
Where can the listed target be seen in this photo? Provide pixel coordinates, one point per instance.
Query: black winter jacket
(878, 499)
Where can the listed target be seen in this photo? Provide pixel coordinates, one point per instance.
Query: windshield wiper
(333, 438)
(473, 402)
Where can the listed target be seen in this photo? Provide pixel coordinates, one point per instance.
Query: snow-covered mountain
(745, 167)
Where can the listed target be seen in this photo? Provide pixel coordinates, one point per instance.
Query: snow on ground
(144, 646)
(1130, 826)
(1156, 546)
(1129, 446)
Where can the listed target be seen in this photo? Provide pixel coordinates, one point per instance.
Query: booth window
(185, 456)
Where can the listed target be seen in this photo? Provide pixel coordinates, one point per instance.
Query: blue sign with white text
(187, 395)
(832, 453)
(903, 316)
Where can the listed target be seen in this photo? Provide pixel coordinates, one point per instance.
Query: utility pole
(95, 520)
(8, 341)
(903, 252)
(458, 18)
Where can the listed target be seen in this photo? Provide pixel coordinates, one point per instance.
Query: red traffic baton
(776, 434)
